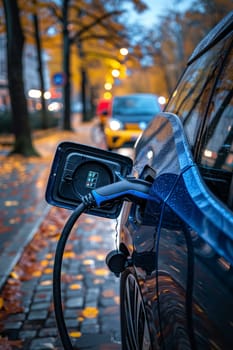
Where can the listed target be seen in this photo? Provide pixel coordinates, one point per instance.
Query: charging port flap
(78, 169)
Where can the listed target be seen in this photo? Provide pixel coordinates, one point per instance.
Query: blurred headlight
(115, 124)
(55, 106)
(142, 125)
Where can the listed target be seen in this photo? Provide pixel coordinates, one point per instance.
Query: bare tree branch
(97, 20)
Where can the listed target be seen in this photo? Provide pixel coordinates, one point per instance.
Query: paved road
(29, 233)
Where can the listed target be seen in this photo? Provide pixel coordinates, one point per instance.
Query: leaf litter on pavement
(29, 267)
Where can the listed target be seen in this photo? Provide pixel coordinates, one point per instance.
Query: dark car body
(130, 115)
(177, 291)
(175, 253)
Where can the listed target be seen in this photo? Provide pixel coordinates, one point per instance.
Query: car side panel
(189, 277)
(207, 304)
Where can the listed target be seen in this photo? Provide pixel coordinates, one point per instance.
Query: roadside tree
(15, 44)
(169, 44)
(82, 22)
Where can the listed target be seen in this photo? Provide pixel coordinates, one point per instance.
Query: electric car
(174, 206)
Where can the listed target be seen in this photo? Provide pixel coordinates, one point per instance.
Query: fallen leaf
(1, 303)
(14, 275)
(69, 255)
(75, 286)
(90, 312)
(75, 334)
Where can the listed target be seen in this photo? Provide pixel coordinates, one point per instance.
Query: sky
(157, 8)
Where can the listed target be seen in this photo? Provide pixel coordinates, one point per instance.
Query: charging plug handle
(133, 189)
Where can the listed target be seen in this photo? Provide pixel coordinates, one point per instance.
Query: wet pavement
(29, 232)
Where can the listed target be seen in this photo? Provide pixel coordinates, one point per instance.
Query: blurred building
(31, 77)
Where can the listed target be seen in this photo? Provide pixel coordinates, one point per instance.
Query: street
(30, 229)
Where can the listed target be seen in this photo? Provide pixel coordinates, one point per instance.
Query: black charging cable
(130, 189)
(65, 339)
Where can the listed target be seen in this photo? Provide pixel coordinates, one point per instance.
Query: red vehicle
(103, 110)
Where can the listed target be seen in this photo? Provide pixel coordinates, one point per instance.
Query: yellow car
(129, 117)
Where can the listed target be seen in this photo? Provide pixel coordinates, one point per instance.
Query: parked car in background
(175, 230)
(130, 115)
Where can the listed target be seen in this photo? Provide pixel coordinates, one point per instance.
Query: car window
(190, 100)
(215, 155)
(128, 105)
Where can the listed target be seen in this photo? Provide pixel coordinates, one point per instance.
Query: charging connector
(130, 189)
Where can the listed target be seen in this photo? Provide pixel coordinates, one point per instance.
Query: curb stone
(13, 252)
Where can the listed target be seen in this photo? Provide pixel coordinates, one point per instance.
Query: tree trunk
(83, 95)
(15, 43)
(83, 76)
(40, 71)
(66, 68)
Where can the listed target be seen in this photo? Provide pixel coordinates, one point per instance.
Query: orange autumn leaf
(14, 275)
(75, 286)
(101, 272)
(36, 274)
(75, 334)
(49, 256)
(90, 312)
(69, 255)
(1, 303)
(48, 271)
(44, 263)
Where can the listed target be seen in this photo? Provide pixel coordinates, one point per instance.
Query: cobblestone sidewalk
(90, 292)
